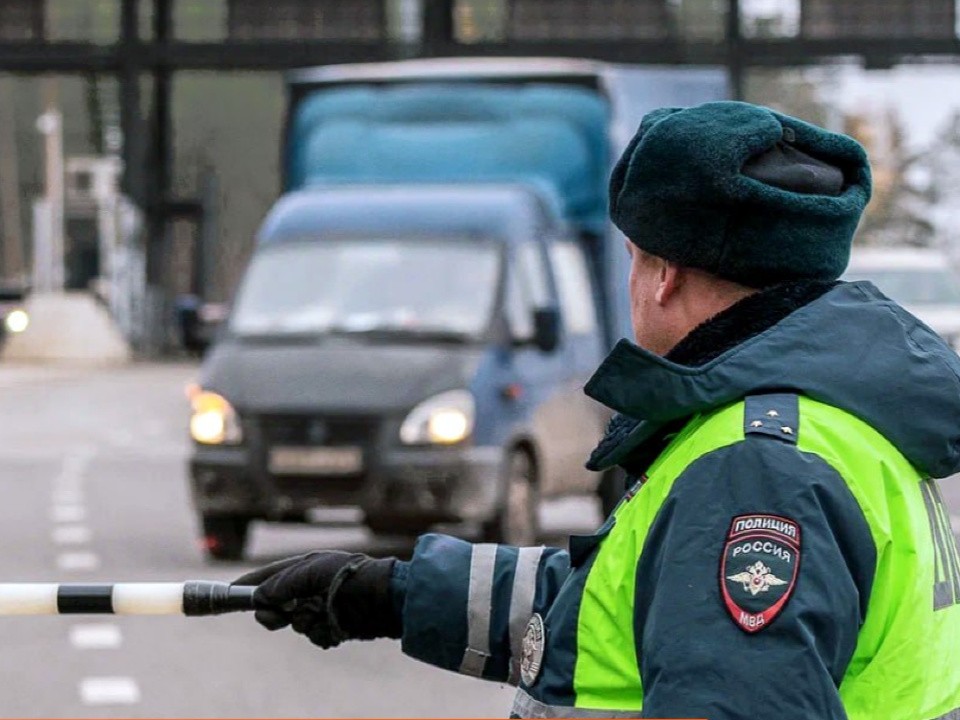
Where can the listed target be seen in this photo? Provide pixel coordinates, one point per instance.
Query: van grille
(311, 430)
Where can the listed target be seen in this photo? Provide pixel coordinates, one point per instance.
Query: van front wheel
(225, 536)
(517, 521)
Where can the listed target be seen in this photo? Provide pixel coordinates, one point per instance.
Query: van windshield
(414, 287)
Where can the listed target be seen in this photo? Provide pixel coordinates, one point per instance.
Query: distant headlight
(17, 321)
(214, 421)
(444, 419)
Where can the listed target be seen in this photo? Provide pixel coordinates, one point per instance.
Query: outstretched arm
(455, 605)
(465, 607)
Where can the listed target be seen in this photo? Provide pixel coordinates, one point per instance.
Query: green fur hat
(742, 192)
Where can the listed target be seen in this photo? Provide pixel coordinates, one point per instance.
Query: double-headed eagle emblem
(757, 578)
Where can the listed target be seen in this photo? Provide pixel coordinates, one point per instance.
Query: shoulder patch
(759, 567)
(774, 415)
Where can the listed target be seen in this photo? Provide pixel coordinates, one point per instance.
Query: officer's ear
(669, 281)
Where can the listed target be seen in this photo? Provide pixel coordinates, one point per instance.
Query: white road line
(68, 513)
(68, 485)
(95, 636)
(74, 465)
(78, 561)
(109, 691)
(67, 496)
(121, 438)
(71, 534)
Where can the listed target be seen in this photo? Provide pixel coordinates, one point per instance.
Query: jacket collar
(738, 323)
(848, 346)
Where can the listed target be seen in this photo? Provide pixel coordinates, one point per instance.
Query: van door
(540, 374)
(582, 349)
(565, 423)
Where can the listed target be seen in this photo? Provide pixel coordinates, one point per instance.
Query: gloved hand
(329, 596)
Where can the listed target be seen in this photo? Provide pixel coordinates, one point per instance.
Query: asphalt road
(93, 488)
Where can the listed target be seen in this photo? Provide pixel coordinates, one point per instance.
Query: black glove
(329, 596)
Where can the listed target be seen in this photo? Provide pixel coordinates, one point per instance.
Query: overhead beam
(36, 57)
(279, 55)
(267, 55)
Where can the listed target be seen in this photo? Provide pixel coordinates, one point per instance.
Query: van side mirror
(546, 328)
(198, 323)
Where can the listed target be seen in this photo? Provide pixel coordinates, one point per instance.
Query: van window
(385, 285)
(531, 264)
(573, 285)
(527, 289)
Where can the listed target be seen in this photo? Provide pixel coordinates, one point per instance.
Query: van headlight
(444, 419)
(17, 320)
(214, 421)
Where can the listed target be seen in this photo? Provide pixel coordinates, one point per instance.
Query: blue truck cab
(427, 299)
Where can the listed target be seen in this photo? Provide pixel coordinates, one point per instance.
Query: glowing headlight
(444, 419)
(214, 421)
(17, 321)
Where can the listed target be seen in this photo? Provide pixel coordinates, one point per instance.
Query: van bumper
(436, 485)
(406, 487)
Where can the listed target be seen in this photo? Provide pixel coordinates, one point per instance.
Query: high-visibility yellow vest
(906, 665)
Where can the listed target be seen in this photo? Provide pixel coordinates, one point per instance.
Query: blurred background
(332, 273)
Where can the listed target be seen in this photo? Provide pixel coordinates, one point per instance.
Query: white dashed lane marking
(67, 496)
(95, 636)
(74, 465)
(68, 513)
(78, 561)
(71, 534)
(109, 691)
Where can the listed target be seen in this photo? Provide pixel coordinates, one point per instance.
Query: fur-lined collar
(738, 323)
(744, 319)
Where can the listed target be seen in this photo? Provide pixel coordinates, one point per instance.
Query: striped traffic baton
(194, 598)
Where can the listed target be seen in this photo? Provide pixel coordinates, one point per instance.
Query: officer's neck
(745, 319)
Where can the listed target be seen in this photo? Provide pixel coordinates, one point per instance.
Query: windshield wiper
(267, 337)
(393, 332)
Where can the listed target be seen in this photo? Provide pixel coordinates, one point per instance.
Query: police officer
(782, 551)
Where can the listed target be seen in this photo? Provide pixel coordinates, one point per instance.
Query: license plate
(315, 461)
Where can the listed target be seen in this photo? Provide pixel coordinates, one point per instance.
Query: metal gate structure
(152, 39)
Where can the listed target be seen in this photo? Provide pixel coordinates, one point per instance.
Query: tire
(517, 521)
(610, 489)
(225, 536)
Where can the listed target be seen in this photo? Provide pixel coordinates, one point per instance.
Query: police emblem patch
(759, 568)
(531, 650)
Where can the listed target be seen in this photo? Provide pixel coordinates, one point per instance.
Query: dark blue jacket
(466, 607)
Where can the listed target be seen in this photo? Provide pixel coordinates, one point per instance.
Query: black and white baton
(194, 598)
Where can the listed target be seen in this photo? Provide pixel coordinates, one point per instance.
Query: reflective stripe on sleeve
(483, 558)
(521, 604)
(527, 707)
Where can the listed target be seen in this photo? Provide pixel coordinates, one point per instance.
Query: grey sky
(923, 95)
